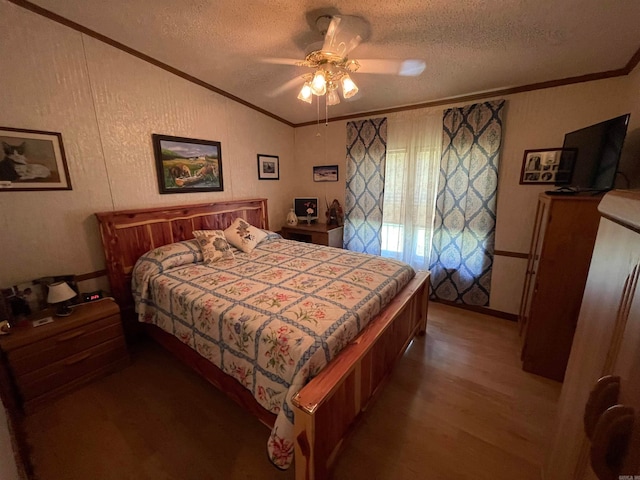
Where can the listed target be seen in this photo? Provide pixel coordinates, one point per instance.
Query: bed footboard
(327, 407)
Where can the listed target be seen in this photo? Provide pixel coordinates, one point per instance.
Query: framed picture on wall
(187, 165)
(32, 160)
(548, 166)
(268, 167)
(325, 173)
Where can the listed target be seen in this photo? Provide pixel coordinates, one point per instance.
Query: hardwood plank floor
(458, 406)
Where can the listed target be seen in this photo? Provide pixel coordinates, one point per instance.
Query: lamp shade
(349, 88)
(305, 94)
(319, 83)
(60, 292)
(333, 98)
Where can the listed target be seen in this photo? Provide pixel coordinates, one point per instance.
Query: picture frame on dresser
(548, 166)
(187, 165)
(32, 160)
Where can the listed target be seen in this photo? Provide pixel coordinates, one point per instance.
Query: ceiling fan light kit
(330, 66)
(330, 63)
(331, 72)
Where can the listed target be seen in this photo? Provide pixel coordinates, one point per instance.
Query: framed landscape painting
(32, 160)
(187, 165)
(325, 173)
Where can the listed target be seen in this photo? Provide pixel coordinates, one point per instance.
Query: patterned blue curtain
(465, 218)
(366, 154)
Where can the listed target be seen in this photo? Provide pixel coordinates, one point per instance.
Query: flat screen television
(306, 206)
(598, 153)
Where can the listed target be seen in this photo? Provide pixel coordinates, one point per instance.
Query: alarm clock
(92, 296)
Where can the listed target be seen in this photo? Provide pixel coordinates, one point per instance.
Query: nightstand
(46, 361)
(318, 233)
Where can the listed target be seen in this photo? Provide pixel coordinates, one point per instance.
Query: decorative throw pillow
(214, 245)
(244, 236)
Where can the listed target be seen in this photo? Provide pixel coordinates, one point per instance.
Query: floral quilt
(271, 318)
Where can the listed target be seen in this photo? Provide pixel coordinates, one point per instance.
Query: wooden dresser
(604, 366)
(47, 361)
(318, 233)
(558, 262)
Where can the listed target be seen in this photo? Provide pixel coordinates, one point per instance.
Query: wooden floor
(458, 406)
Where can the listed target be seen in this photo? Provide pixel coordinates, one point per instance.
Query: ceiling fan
(331, 67)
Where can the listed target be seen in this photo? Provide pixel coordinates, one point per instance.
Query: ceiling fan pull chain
(318, 116)
(326, 112)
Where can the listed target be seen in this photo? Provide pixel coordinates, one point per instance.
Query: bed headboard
(127, 234)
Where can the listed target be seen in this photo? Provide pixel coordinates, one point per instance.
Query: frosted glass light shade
(319, 83)
(349, 88)
(305, 94)
(333, 98)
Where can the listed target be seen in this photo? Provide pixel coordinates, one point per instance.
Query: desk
(318, 233)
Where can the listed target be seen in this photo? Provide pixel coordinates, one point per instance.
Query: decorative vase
(308, 219)
(333, 217)
(292, 219)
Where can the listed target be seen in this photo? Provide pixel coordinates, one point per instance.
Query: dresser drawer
(55, 375)
(49, 350)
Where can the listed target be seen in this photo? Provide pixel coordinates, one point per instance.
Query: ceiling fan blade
(288, 85)
(345, 32)
(280, 61)
(405, 68)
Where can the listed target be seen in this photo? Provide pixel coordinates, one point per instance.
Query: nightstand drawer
(45, 352)
(64, 371)
(42, 363)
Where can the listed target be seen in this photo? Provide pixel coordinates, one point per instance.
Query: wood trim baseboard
(473, 308)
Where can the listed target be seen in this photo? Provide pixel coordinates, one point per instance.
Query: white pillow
(244, 236)
(213, 245)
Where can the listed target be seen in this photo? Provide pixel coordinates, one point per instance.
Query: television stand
(563, 191)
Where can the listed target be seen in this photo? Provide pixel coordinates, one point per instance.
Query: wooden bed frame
(329, 405)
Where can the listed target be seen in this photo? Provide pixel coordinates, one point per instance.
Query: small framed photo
(268, 167)
(325, 173)
(187, 165)
(32, 160)
(548, 166)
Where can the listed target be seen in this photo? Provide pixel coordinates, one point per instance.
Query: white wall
(107, 104)
(536, 119)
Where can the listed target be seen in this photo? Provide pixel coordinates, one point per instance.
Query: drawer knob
(604, 395)
(611, 439)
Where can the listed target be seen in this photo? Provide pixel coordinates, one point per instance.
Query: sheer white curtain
(414, 145)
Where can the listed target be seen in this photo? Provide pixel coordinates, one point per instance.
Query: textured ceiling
(469, 46)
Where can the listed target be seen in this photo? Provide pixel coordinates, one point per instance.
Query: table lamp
(61, 293)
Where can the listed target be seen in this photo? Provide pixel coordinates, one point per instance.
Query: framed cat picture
(32, 160)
